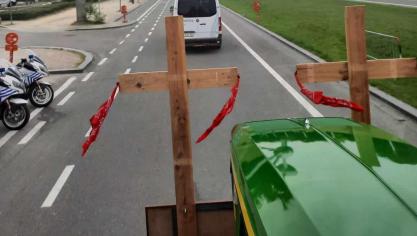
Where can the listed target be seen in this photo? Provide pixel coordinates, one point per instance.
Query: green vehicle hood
(331, 176)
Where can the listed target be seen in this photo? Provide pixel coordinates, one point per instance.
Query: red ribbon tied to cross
(97, 119)
(318, 97)
(227, 108)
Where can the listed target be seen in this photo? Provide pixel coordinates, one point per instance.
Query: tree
(81, 13)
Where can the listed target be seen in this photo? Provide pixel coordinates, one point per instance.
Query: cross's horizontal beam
(197, 79)
(377, 69)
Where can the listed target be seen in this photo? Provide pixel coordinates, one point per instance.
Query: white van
(202, 22)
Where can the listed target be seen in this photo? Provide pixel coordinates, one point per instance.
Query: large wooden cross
(357, 69)
(178, 80)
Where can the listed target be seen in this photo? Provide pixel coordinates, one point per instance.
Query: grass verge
(318, 26)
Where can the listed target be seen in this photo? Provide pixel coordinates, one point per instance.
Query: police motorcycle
(33, 69)
(14, 111)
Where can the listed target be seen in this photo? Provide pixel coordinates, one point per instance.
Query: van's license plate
(189, 35)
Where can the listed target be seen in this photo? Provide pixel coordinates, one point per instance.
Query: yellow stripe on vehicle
(242, 205)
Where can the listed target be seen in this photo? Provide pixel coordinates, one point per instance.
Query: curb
(88, 58)
(101, 27)
(381, 95)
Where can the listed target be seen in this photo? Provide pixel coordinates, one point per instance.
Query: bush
(34, 11)
(94, 15)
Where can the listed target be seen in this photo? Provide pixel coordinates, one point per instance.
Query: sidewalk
(63, 20)
(68, 59)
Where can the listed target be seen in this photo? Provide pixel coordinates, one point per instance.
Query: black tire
(39, 102)
(23, 108)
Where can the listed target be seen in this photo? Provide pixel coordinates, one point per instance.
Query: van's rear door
(200, 18)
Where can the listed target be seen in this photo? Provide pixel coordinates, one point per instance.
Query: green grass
(34, 11)
(318, 26)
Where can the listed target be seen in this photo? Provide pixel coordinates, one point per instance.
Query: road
(48, 189)
(401, 3)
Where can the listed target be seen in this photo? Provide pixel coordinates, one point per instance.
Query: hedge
(34, 11)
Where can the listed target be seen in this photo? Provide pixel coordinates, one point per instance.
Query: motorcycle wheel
(15, 117)
(41, 95)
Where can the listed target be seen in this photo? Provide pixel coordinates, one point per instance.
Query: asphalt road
(48, 189)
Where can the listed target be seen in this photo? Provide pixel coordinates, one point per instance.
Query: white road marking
(112, 51)
(312, 110)
(88, 132)
(127, 36)
(136, 26)
(32, 132)
(146, 40)
(122, 42)
(134, 59)
(132, 30)
(87, 77)
(65, 86)
(102, 61)
(140, 49)
(150, 33)
(35, 113)
(50, 199)
(153, 28)
(6, 137)
(154, 25)
(127, 71)
(66, 98)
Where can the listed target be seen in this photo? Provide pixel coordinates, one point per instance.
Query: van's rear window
(196, 8)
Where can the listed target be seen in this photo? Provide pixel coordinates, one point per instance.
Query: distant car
(202, 22)
(8, 3)
(322, 176)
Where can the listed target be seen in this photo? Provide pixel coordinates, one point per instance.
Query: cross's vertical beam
(180, 125)
(357, 66)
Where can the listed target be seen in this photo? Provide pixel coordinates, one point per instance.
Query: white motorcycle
(33, 69)
(14, 112)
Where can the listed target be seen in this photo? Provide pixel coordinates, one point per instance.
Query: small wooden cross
(357, 69)
(178, 80)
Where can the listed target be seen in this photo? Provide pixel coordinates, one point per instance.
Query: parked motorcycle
(40, 93)
(14, 112)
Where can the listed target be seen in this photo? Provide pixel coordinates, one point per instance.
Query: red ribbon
(97, 120)
(319, 98)
(227, 108)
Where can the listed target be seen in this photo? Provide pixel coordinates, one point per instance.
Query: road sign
(123, 10)
(11, 44)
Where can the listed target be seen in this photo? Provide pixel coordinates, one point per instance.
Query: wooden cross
(178, 80)
(357, 69)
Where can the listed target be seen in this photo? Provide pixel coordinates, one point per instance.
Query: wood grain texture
(357, 66)
(196, 79)
(377, 69)
(180, 125)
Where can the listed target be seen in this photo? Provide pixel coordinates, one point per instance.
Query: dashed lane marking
(132, 30)
(32, 132)
(88, 132)
(140, 49)
(127, 36)
(112, 51)
(102, 61)
(127, 71)
(150, 33)
(53, 194)
(65, 85)
(87, 77)
(134, 59)
(146, 40)
(122, 42)
(66, 98)
(312, 110)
